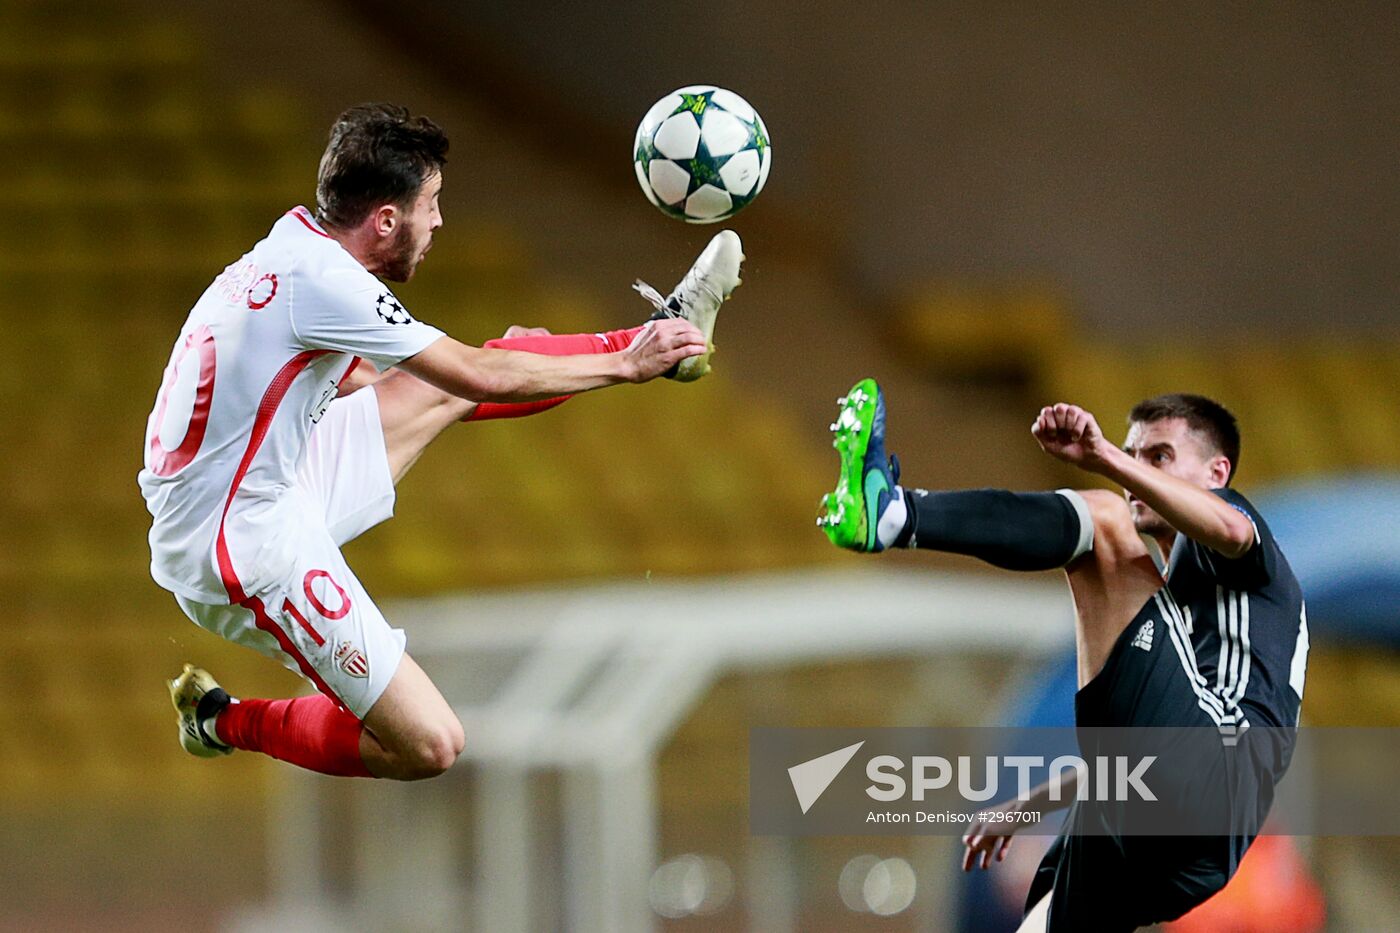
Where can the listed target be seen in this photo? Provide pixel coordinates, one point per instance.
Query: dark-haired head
(1208, 418)
(377, 154)
(1191, 437)
(377, 186)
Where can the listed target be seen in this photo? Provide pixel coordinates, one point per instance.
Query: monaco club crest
(351, 660)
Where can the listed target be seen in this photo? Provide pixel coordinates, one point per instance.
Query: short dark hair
(1205, 416)
(377, 154)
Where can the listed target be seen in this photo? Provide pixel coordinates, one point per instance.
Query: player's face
(1171, 446)
(414, 235)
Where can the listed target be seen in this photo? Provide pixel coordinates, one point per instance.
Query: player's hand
(988, 840)
(661, 345)
(519, 330)
(1069, 433)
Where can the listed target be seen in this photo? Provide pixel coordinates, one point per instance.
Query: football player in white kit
(261, 459)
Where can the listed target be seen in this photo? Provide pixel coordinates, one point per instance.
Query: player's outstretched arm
(1069, 433)
(488, 375)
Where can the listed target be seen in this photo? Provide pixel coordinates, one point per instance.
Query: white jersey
(255, 366)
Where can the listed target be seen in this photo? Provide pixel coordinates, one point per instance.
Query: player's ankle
(895, 525)
(211, 705)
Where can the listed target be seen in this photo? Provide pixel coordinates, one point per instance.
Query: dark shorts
(1108, 883)
(1099, 875)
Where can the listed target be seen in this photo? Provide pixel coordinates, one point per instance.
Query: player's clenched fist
(661, 345)
(1069, 433)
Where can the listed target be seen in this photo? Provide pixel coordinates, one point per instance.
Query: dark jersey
(1246, 623)
(1221, 648)
(1236, 629)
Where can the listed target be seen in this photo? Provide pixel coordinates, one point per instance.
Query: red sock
(311, 732)
(549, 345)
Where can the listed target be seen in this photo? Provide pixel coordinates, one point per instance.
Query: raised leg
(413, 413)
(411, 731)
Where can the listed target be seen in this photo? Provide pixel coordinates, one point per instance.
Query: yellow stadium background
(988, 208)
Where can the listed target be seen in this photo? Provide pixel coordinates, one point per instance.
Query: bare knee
(1113, 521)
(423, 750)
(450, 744)
(433, 751)
(1106, 507)
(414, 732)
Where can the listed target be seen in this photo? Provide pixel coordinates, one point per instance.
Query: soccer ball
(701, 154)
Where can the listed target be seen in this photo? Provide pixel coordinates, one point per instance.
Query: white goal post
(587, 685)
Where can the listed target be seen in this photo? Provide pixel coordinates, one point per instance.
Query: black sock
(1013, 530)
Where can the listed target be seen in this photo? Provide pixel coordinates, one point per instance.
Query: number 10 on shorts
(316, 602)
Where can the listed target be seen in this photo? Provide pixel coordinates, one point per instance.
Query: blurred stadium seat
(141, 165)
(139, 178)
(1306, 408)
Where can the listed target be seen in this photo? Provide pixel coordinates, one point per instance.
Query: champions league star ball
(701, 154)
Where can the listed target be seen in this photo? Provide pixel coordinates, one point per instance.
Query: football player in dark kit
(1211, 639)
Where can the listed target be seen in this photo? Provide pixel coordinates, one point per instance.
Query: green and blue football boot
(869, 482)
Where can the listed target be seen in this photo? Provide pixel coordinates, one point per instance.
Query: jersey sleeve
(1254, 568)
(351, 311)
